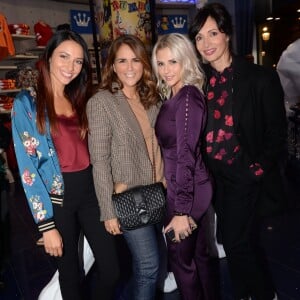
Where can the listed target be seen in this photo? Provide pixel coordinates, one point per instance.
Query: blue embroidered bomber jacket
(37, 161)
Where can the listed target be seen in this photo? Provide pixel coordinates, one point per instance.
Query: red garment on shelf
(22, 28)
(43, 33)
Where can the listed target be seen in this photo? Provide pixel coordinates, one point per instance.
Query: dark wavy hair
(146, 87)
(220, 14)
(78, 91)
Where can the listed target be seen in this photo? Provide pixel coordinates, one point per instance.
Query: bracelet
(176, 213)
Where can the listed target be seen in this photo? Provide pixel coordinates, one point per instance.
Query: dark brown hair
(219, 13)
(77, 91)
(146, 87)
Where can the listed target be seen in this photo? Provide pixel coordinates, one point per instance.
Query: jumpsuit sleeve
(190, 117)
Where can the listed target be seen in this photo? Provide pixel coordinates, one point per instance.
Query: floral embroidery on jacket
(57, 185)
(37, 160)
(28, 178)
(30, 143)
(38, 208)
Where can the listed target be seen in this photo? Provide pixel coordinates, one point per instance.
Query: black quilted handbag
(140, 206)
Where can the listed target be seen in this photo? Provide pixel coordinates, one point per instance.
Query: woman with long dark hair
(50, 128)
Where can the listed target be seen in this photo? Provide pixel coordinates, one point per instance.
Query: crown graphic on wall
(82, 20)
(178, 22)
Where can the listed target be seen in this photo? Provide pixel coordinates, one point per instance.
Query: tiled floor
(28, 268)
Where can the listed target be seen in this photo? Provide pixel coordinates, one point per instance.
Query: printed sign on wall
(171, 23)
(81, 21)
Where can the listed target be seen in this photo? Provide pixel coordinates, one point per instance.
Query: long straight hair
(78, 91)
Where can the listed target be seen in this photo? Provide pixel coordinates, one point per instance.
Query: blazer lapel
(240, 90)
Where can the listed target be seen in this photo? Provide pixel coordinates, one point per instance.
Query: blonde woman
(179, 129)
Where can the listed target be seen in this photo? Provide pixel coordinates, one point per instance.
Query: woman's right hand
(53, 242)
(112, 226)
(181, 227)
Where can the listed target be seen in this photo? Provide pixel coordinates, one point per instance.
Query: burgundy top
(72, 151)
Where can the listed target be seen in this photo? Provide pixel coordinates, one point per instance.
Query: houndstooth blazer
(117, 147)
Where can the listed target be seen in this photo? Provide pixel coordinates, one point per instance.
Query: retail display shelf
(37, 48)
(5, 111)
(23, 56)
(8, 67)
(23, 37)
(9, 91)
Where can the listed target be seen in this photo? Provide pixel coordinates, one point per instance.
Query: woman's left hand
(112, 226)
(181, 227)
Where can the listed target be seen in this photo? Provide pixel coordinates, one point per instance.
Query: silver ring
(182, 236)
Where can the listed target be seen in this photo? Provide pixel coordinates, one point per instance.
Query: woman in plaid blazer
(122, 147)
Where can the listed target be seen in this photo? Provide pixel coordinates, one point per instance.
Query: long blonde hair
(184, 52)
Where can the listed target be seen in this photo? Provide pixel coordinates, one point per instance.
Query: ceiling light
(265, 36)
(265, 33)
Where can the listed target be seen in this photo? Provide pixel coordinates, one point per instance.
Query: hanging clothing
(6, 42)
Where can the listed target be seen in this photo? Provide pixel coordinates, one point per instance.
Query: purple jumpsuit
(179, 128)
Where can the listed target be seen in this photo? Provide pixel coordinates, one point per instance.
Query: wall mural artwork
(118, 17)
(104, 20)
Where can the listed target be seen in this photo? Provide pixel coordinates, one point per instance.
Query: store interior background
(282, 240)
(282, 31)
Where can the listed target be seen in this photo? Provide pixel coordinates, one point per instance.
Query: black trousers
(236, 195)
(4, 227)
(80, 211)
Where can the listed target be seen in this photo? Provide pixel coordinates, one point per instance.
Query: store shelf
(23, 37)
(17, 57)
(8, 67)
(23, 56)
(38, 48)
(5, 111)
(9, 91)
